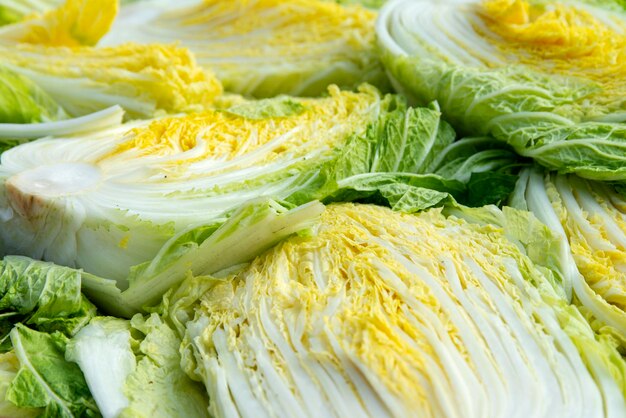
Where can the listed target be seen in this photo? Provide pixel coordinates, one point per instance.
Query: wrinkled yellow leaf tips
(563, 40)
(143, 79)
(267, 47)
(510, 12)
(219, 135)
(77, 22)
(557, 38)
(430, 309)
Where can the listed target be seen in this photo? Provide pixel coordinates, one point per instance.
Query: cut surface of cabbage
(421, 315)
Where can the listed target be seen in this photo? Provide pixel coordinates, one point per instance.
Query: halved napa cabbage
(120, 194)
(545, 77)
(264, 47)
(386, 314)
(27, 112)
(143, 79)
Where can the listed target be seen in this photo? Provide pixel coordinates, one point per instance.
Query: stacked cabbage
(216, 228)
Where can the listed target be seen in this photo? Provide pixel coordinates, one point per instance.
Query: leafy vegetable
(475, 171)
(21, 101)
(74, 23)
(103, 351)
(45, 379)
(544, 78)
(128, 190)
(9, 366)
(145, 381)
(35, 380)
(216, 229)
(121, 372)
(265, 47)
(488, 168)
(159, 378)
(140, 78)
(590, 216)
(416, 313)
(42, 295)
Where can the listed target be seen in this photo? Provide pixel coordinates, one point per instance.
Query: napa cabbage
(265, 47)
(41, 307)
(128, 190)
(428, 313)
(545, 78)
(27, 112)
(142, 79)
(53, 83)
(22, 101)
(133, 369)
(61, 360)
(591, 218)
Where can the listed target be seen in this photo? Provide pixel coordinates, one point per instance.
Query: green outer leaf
(538, 115)
(43, 295)
(402, 192)
(46, 379)
(470, 155)
(22, 101)
(490, 188)
(9, 367)
(592, 150)
(159, 388)
(401, 144)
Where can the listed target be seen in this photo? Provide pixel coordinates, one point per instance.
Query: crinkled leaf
(46, 379)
